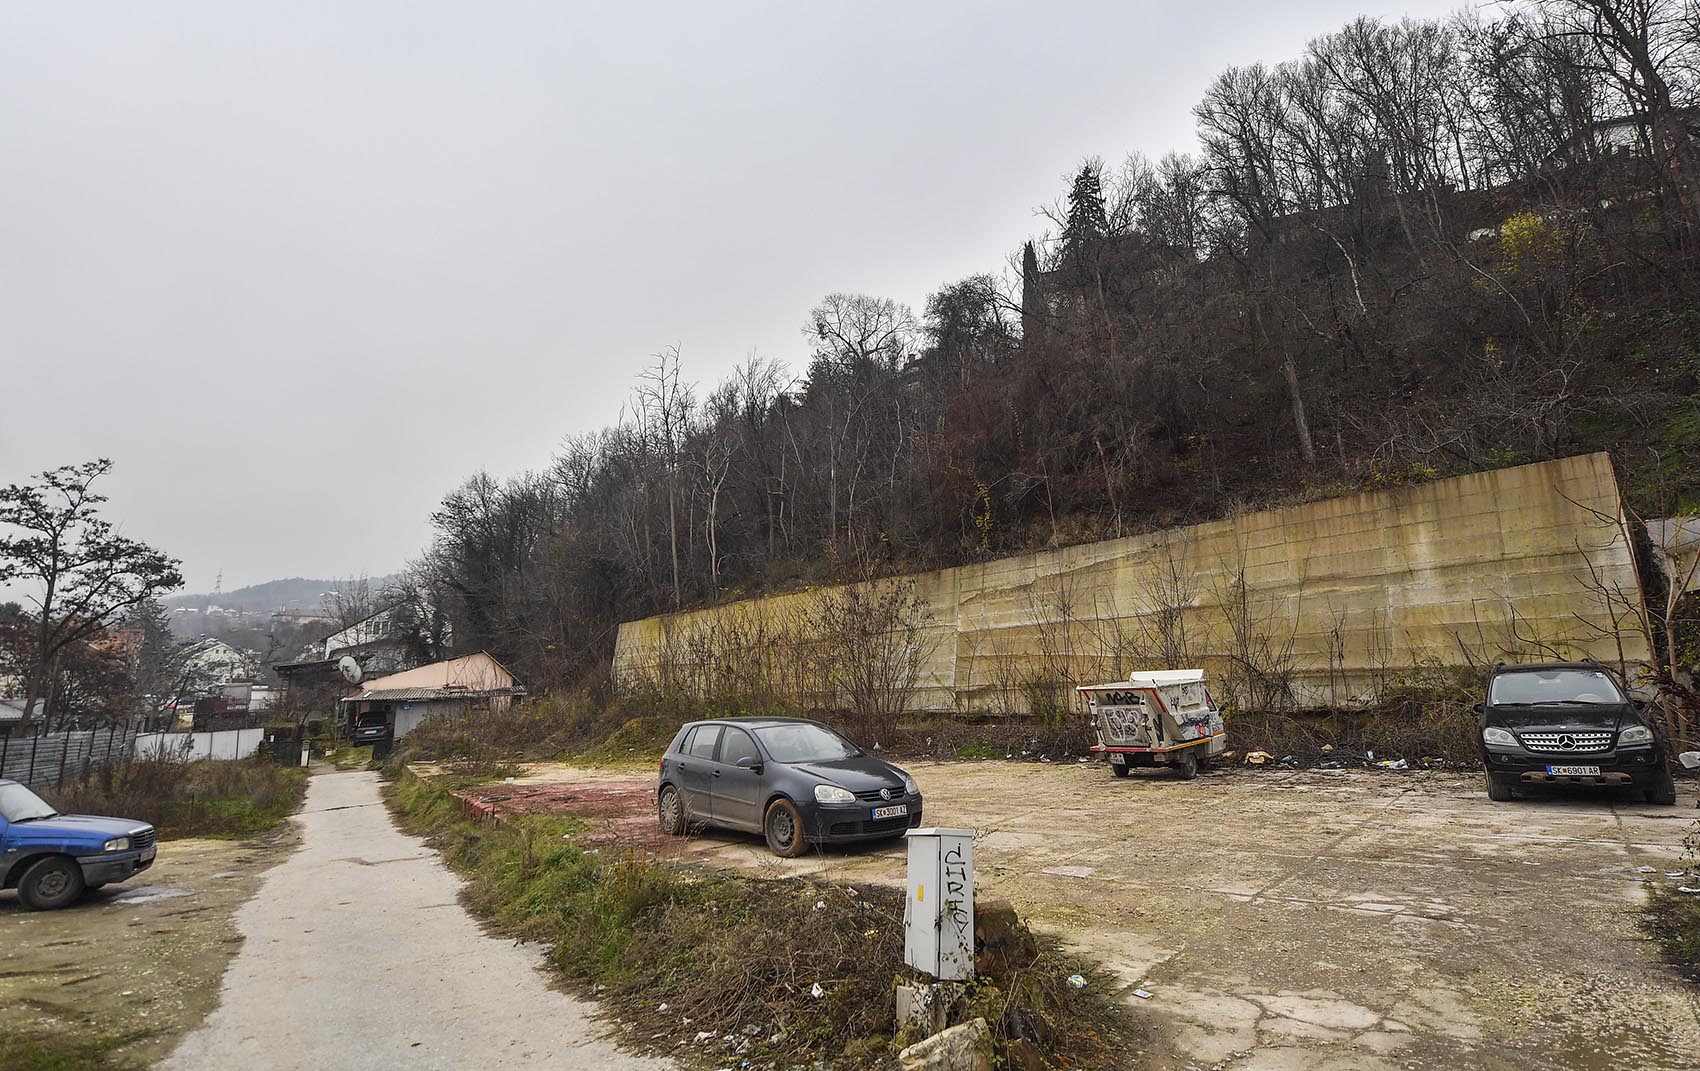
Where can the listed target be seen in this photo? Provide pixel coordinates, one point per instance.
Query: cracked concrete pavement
(358, 956)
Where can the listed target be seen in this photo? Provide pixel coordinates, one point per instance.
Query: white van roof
(1157, 678)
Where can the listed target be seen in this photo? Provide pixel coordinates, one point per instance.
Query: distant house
(12, 714)
(383, 643)
(455, 686)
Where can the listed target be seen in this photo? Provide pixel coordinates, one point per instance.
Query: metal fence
(50, 760)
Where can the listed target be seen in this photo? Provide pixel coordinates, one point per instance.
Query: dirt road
(358, 956)
(138, 963)
(1299, 920)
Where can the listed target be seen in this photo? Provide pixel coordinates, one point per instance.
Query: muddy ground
(1295, 919)
(141, 961)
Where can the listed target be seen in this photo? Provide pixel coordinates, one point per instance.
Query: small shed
(442, 688)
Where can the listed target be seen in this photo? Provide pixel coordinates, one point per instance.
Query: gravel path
(359, 956)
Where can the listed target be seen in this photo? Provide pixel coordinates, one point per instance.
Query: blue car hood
(73, 829)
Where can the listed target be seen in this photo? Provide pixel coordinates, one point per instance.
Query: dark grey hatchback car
(796, 782)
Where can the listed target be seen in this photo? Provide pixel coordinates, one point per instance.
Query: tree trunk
(1301, 424)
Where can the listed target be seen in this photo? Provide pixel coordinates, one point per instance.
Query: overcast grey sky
(300, 268)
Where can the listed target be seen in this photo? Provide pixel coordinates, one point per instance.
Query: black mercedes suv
(1569, 723)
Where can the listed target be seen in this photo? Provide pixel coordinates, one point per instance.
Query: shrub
(188, 799)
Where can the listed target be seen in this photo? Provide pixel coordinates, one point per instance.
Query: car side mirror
(752, 765)
(1690, 760)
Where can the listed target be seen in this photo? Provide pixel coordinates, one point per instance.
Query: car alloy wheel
(671, 813)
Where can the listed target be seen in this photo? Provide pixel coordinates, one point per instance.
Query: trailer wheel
(1120, 771)
(1186, 766)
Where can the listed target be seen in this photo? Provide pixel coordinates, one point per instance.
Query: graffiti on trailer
(1125, 723)
(1199, 726)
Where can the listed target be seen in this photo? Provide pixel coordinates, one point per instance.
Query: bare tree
(84, 575)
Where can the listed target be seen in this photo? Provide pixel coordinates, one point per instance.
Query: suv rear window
(1590, 687)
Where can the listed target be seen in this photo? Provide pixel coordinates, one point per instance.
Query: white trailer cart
(1162, 718)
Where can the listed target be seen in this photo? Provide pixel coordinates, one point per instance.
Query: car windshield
(19, 804)
(1583, 687)
(805, 743)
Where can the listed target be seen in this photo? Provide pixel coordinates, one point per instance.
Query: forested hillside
(1417, 249)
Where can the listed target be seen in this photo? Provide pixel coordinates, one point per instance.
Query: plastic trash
(1258, 758)
(1645, 869)
(816, 991)
(1077, 981)
(1142, 994)
(1686, 889)
(820, 905)
(1394, 764)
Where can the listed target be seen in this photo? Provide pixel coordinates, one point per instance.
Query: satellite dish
(350, 669)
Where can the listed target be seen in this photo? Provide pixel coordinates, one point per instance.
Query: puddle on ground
(148, 894)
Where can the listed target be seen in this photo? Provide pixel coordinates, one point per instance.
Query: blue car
(796, 782)
(50, 858)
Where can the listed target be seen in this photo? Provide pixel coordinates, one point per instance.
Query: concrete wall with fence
(1348, 595)
(51, 760)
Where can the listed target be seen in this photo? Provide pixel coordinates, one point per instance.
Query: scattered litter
(1230, 756)
(1258, 758)
(1077, 981)
(507, 780)
(662, 1007)
(1328, 747)
(850, 893)
(1286, 760)
(753, 1030)
(1331, 764)
(1687, 889)
(820, 905)
(1142, 994)
(1676, 873)
(707, 1035)
(1369, 756)
(1394, 764)
(1528, 862)
(816, 991)
(1645, 869)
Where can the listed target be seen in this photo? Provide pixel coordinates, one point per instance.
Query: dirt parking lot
(1297, 919)
(141, 961)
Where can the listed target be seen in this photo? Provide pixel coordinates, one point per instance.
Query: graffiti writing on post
(955, 876)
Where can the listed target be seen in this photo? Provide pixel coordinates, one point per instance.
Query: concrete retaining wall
(1331, 602)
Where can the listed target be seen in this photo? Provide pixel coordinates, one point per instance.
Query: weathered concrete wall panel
(1327, 602)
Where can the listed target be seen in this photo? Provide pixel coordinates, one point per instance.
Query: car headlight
(833, 794)
(1495, 735)
(909, 784)
(122, 844)
(1635, 734)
